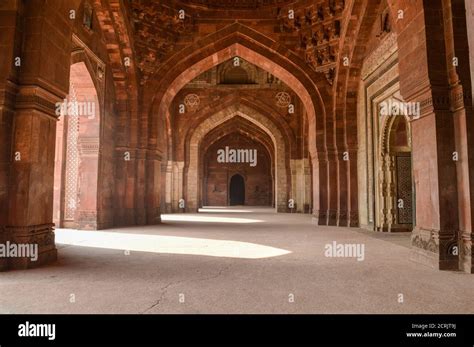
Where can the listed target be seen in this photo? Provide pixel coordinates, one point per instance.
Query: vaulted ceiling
(237, 4)
(311, 29)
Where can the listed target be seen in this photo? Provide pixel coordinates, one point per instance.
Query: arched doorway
(237, 190)
(396, 176)
(400, 149)
(215, 174)
(77, 153)
(279, 171)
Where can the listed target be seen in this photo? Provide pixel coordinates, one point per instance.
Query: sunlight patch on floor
(206, 219)
(237, 209)
(166, 244)
(221, 210)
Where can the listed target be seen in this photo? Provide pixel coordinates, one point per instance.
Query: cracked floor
(233, 261)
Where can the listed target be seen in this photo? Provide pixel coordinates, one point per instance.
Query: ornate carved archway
(395, 176)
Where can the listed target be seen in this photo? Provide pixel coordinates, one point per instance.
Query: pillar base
(342, 220)
(434, 249)
(424, 257)
(319, 217)
(40, 235)
(153, 216)
(466, 257)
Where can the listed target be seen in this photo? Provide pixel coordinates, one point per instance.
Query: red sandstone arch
(243, 126)
(255, 104)
(247, 128)
(77, 155)
(227, 130)
(240, 40)
(191, 174)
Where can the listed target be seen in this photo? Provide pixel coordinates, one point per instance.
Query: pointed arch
(192, 172)
(239, 40)
(77, 153)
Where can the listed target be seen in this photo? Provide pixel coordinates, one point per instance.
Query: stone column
(424, 78)
(462, 46)
(125, 176)
(177, 185)
(43, 80)
(32, 174)
(8, 32)
(141, 187)
(168, 187)
(333, 187)
(342, 172)
(301, 184)
(320, 188)
(352, 191)
(153, 190)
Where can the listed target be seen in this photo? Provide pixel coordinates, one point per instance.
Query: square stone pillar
(9, 47)
(153, 191)
(125, 186)
(301, 184)
(168, 187)
(177, 185)
(320, 188)
(31, 176)
(424, 78)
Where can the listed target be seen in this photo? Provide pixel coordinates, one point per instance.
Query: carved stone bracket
(158, 28)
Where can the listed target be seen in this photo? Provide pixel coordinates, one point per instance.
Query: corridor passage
(233, 260)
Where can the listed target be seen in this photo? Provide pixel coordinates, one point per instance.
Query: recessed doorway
(237, 190)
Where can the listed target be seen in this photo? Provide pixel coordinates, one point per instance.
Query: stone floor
(233, 260)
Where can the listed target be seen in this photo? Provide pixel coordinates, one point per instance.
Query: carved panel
(319, 29)
(89, 146)
(72, 159)
(404, 189)
(380, 55)
(157, 28)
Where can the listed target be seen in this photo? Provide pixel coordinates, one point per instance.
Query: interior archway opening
(267, 103)
(233, 156)
(77, 154)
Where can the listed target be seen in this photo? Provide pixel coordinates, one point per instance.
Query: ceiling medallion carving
(192, 101)
(283, 99)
